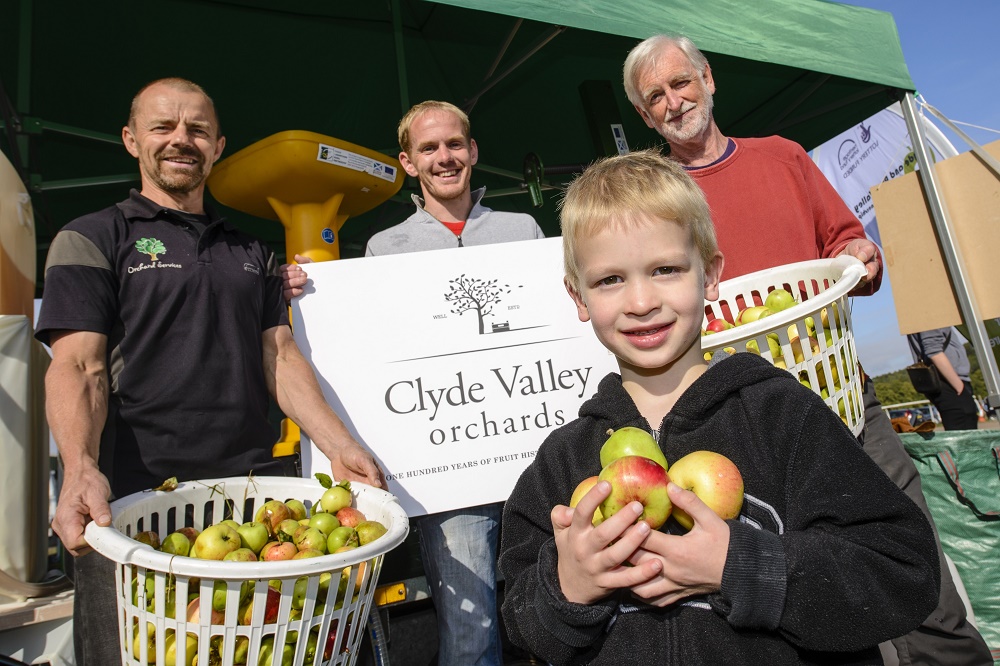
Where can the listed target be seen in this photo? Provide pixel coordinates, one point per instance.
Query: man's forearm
(947, 371)
(299, 396)
(76, 407)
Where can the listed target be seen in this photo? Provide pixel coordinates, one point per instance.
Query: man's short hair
(403, 131)
(644, 55)
(621, 192)
(176, 83)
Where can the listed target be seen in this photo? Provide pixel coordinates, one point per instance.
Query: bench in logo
(471, 294)
(151, 246)
(327, 235)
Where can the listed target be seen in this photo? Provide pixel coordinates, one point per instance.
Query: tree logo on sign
(469, 294)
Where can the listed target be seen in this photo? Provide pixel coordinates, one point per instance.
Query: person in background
(459, 547)
(772, 206)
(168, 332)
(955, 402)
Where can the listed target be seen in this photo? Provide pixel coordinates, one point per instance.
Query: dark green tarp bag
(960, 475)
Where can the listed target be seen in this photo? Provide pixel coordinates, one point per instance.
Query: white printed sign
(452, 366)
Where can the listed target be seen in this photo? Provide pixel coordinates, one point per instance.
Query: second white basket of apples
(291, 586)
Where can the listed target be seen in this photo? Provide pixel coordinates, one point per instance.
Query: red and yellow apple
(637, 479)
(716, 481)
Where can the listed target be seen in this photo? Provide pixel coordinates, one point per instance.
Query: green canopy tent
(537, 76)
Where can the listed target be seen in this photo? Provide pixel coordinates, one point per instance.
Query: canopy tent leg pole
(952, 257)
(22, 102)
(397, 34)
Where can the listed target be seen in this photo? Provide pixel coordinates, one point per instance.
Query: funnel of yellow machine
(310, 182)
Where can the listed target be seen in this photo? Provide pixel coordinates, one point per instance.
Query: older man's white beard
(691, 126)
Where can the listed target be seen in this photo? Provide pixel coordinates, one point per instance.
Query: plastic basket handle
(950, 468)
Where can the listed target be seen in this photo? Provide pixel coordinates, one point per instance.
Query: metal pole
(22, 99)
(397, 33)
(952, 255)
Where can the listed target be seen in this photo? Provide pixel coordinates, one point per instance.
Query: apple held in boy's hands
(714, 478)
(637, 479)
(582, 489)
(629, 441)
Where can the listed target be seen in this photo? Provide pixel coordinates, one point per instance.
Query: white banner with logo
(452, 366)
(872, 152)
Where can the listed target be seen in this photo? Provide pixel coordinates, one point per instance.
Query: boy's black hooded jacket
(827, 559)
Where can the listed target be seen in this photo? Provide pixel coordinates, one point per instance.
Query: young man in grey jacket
(459, 547)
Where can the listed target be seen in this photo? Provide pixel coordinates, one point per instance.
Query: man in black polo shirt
(168, 331)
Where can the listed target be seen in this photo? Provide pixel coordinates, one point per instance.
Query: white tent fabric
(874, 151)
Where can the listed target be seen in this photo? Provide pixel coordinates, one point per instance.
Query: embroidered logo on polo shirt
(250, 268)
(151, 246)
(154, 248)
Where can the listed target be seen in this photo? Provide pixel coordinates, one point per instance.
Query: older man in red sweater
(772, 206)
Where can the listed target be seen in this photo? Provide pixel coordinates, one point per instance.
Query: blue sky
(950, 50)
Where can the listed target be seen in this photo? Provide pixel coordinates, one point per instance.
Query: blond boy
(828, 557)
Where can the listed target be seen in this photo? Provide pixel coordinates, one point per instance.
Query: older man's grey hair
(644, 56)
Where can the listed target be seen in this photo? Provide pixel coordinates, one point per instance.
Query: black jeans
(96, 638)
(958, 410)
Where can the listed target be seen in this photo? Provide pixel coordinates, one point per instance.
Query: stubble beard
(182, 182)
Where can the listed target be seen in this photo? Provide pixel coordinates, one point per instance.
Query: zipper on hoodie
(460, 241)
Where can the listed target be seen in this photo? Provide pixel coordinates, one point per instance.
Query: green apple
(232, 523)
(369, 530)
(629, 441)
(267, 653)
(324, 522)
(150, 643)
(253, 535)
(341, 536)
(310, 538)
(286, 530)
(778, 300)
(240, 555)
(752, 314)
(336, 498)
(190, 645)
(176, 543)
(297, 508)
(216, 541)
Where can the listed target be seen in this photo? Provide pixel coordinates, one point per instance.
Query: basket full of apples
(251, 570)
(798, 317)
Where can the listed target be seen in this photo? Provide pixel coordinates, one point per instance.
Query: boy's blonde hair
(403, 131)
(620, 192)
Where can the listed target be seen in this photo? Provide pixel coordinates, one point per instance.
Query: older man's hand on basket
(82, 498)
(867, 252)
